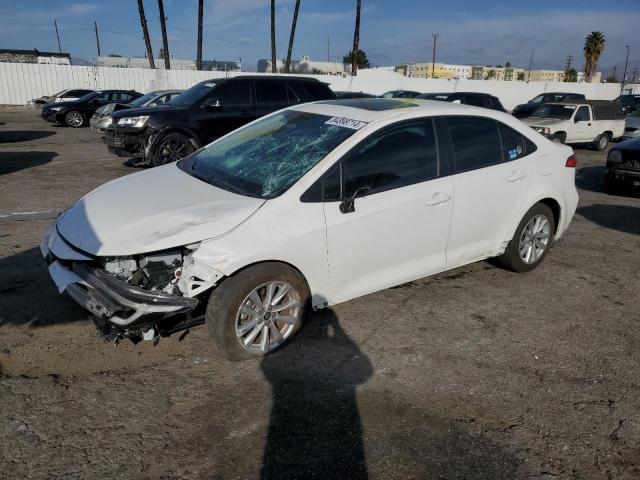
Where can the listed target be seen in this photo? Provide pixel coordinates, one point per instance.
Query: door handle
(437, 199)
(516, 176)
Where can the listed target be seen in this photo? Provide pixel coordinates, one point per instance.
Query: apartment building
(438, 70)
(305, 65)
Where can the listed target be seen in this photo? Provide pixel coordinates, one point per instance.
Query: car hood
(631, 145)
(153, 210)
(542, 122)
(139, 111)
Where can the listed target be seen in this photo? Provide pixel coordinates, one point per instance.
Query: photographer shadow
(315, 429)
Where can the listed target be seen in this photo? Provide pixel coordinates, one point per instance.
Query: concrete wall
(20, 82)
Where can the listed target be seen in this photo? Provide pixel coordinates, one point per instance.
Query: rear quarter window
(514, 144)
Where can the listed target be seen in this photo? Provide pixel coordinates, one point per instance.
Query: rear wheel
(256, 311)
(531, 241)
(75, 119)
(172, 147)
(601, 142)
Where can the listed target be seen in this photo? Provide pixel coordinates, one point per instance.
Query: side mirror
(348, 205)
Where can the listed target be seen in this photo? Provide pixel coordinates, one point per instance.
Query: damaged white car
(310, 206)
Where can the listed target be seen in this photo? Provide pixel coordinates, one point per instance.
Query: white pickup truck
(595, 122)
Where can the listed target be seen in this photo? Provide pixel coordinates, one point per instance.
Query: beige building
(438, 70)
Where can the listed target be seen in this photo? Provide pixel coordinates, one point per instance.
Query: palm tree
(274, 68)
(293, 32)
(165, 42)
(593, 47)
(145, 34)
(356, 40)
(199, 52)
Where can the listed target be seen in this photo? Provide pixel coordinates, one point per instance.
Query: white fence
(20, 82)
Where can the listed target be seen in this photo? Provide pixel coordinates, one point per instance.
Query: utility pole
(567, 65)
(274, 65)
(95, 26)
(55, 24)
(530, 64)
(199, 54)
(433, 56)
(165, 42)
(145, 34)
(624, 75)
(634, 77)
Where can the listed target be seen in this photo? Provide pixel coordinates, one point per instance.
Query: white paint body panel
(392, 237)
(580, 132)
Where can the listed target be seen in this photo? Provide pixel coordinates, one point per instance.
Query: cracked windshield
(266, 158)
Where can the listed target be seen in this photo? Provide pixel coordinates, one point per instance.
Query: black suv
(525, 110)
(77, 113)
(474, 99)
(629, 103)
(204, 112)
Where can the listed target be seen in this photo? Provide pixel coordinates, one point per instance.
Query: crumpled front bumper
(104, 295)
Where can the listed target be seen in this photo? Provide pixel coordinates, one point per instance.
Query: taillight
(572, 161)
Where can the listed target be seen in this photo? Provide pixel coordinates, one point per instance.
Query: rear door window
(514, 144)
(476, 143)
(271, 93)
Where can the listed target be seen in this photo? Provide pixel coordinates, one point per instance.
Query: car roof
(371, 109)
(284, 78)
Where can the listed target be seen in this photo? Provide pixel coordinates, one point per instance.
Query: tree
(612, 79)
(199, 48)
(520, 76)
(571, 75)
(490, 74)
(287, 65)
(165, 42)
(361, 59)
(356, 40)
(593, 48)
(274, 68)
(145, 34)
(507, 65)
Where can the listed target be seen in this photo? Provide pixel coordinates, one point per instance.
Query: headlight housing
(614, 156)
(542, 130)
(134, 122)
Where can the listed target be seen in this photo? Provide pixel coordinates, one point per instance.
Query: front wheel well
(244, 267)
(608, 134)
(555, 209)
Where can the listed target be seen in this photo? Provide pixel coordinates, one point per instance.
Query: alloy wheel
(534, 239)
(267, 316)
(173, 149)
(75, 119)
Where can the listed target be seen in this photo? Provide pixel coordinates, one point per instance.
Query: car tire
(170, 148)
(558, 138)
(238, 324)
(75, 119)
(528, 247)
(610, 184)
(601, 142)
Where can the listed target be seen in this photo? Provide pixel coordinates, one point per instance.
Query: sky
(487, 32)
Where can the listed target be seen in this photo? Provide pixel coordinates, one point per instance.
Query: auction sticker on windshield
(346, 123)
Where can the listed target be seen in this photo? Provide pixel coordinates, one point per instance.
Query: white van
(583, 121)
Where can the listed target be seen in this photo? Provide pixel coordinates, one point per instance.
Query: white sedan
(310, 206)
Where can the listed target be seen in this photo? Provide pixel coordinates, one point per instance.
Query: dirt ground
(477, 373)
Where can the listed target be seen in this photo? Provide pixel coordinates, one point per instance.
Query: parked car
(632, 125)
(623, 166)
(102, 118)
(312, 205)
(400, 94)
(203, 113)
(475, 99)
(629, 103)
(525, 110)
(593, 122)
(76, 114)
(67, 95)
(345, 95)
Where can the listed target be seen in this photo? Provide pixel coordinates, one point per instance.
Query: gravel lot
(474, 373)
